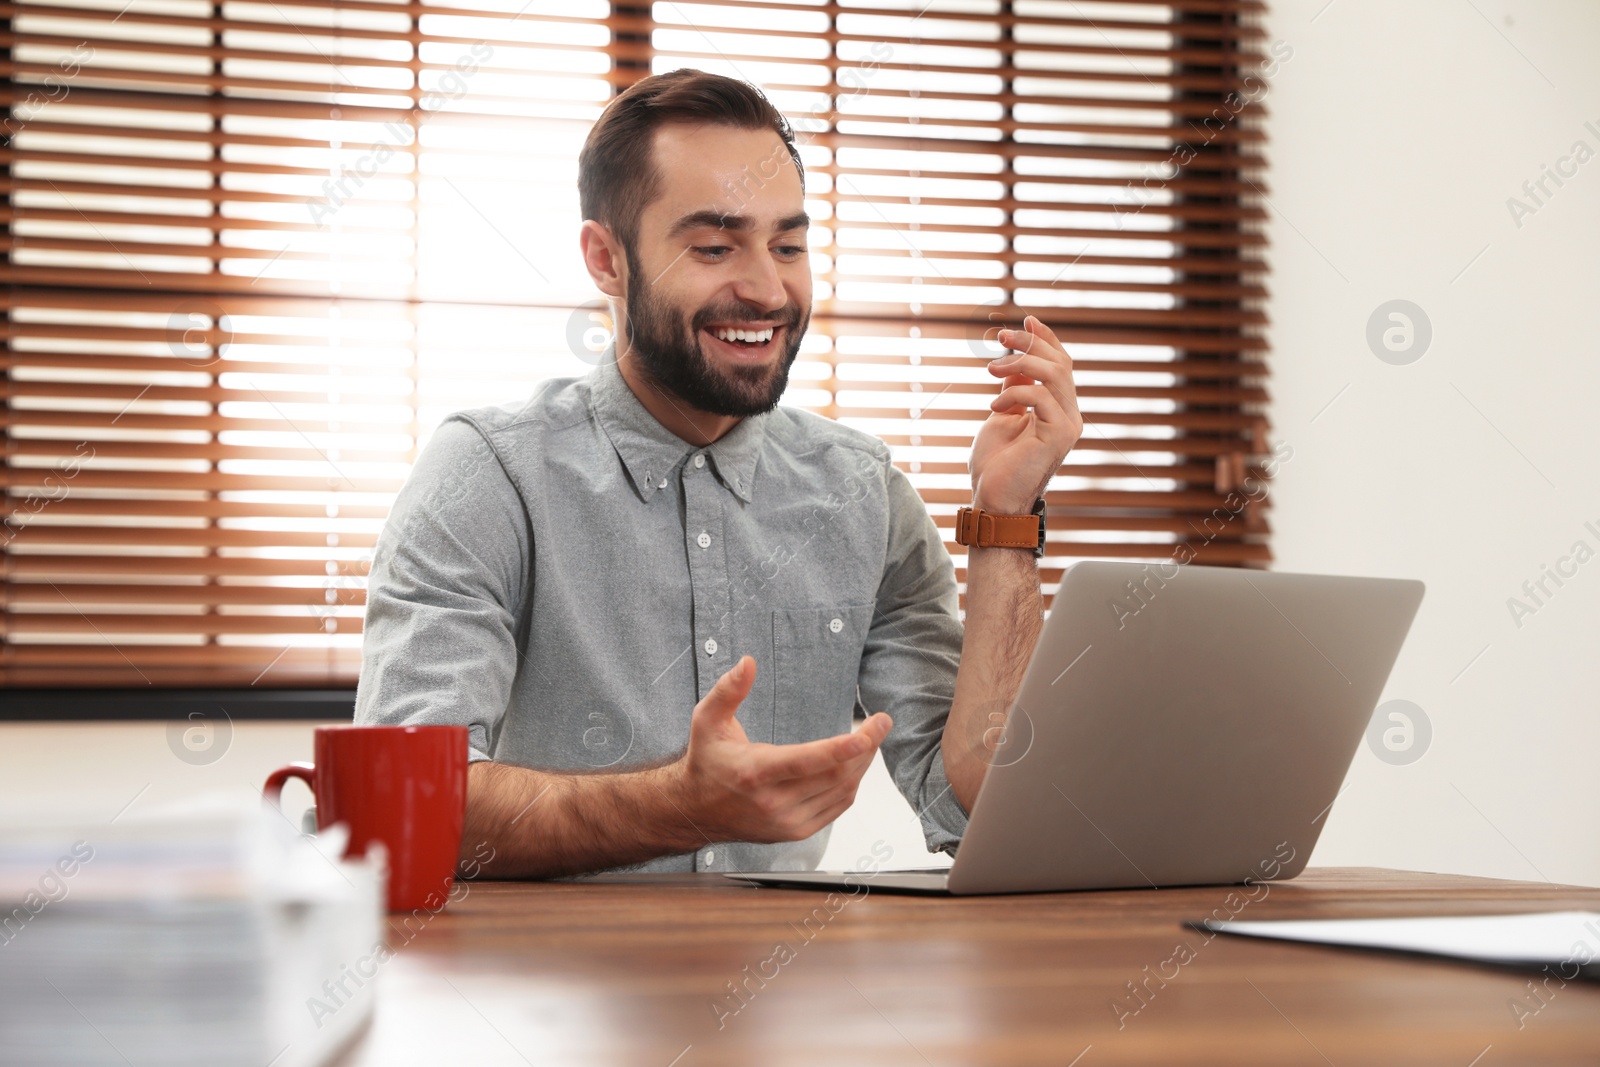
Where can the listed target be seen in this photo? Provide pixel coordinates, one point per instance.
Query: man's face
(721, 251)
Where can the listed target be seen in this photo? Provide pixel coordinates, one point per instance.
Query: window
(254, 252)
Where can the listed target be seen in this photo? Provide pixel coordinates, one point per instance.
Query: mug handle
(272, 792)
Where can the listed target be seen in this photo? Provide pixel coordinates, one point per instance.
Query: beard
(670, 353)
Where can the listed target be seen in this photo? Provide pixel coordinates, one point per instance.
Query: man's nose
(760, 284)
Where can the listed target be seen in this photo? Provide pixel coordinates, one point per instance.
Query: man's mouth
(747, 342)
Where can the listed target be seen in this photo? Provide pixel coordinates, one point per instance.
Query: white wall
(96, 770)
(1398, 132)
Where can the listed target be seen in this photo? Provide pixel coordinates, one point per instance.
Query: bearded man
(655, 597)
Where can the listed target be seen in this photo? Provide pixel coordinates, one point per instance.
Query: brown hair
(617, 176)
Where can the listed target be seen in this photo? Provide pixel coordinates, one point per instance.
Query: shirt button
(704, 540)
(835, 625)
(662, 484)
(711, 856)
(711, 646)
(699, 459)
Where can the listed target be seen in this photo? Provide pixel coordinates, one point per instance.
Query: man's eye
(792, 250)
(713, 250)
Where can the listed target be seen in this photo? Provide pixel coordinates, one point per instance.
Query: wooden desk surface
(643, 974)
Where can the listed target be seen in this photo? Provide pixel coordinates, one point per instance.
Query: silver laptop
(1176, 726)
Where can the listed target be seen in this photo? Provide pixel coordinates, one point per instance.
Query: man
(653, 595)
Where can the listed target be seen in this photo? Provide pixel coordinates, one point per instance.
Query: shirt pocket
(816, 657)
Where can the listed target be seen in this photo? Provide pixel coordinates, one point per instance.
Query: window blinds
(254, 252)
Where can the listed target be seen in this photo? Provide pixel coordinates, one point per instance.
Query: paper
(205, 936)
(1567, 941)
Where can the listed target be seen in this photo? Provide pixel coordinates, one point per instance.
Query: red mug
(403, 786)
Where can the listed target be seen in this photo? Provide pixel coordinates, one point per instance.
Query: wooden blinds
(253, 252)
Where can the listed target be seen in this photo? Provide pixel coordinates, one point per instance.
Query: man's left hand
(1035, 421)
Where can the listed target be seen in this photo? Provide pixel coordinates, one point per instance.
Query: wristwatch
(985, 529)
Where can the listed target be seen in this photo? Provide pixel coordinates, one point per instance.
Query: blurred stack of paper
(213, 936)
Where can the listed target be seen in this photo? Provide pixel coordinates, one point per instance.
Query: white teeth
(757, 336)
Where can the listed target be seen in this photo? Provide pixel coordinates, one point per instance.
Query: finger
(781, 763)
(1038, 327)
(1039, 368)
(852, 772)
(1016, 379)
(877, 726)
(1028, 369)
(825, 794)
(870, 734)
(1028, 339)
(720, 705)
(847, 774)
(828, 808)
(1044, 403)
(1030, 343)
(1017, 340)
(811, 758)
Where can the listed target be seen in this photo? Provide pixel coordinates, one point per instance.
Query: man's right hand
(734, 789)
(546, 824)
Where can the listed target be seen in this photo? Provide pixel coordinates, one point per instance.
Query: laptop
(1177, 725)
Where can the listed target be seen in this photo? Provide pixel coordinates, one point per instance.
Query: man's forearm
(545, 824)
(1004, 615)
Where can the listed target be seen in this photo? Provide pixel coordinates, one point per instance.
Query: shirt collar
(650, 452)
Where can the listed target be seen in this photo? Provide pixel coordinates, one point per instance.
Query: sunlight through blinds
(254, 252)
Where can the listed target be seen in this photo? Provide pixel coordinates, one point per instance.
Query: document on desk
(1566, 941)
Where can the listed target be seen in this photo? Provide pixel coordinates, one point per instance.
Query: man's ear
(604, 258)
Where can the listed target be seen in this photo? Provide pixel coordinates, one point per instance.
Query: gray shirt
(568, 578)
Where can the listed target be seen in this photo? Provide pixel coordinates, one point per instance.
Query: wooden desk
(641, 974)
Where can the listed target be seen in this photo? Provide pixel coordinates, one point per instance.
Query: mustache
(740, 311)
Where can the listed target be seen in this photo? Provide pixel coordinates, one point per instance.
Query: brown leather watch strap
(988, 530)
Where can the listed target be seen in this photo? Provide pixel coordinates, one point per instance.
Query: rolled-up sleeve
(446, 589)
(912, 654)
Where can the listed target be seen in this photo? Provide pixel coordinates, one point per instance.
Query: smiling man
(654, 596)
